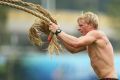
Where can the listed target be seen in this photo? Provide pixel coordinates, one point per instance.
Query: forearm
(71, 40)
(71, 48)
(68, 39)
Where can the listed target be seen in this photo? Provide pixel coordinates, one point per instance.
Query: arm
(72, 49)
(77, 42)
(83, 41)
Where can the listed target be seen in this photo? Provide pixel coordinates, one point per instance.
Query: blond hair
(90, 18)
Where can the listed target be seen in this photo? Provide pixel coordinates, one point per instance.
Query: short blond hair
(90, 18)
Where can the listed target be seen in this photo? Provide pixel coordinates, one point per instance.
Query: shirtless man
(94, 41)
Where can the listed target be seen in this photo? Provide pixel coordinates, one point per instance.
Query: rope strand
(24, 9)
(39, 26)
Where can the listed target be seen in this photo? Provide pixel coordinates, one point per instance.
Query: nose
(78, 28)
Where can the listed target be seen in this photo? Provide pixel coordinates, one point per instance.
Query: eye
(80, 25)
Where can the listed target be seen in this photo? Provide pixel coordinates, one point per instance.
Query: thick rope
(42, 25)
(24, 9)
(36, 7)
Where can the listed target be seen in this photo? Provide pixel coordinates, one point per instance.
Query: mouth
(81, 32)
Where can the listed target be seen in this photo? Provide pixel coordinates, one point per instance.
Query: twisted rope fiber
(36, 7)
(42, 25)
(24, 9)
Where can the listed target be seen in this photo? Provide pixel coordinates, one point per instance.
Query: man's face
(83, 27)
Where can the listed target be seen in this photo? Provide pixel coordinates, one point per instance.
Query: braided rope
(24, 9)
(42, 25)
(11, 0)
(36, 7)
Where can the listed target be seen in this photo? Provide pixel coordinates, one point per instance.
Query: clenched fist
(53, 27)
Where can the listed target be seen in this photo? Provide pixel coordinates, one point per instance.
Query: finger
(49, 28)
(50, 23)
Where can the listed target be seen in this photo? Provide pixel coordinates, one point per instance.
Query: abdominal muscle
(102, 62)
(103, 70)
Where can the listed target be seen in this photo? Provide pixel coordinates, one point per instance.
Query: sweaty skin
(102, 57)
(97, 45)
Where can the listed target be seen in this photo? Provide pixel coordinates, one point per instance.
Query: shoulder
(100, 37)
(96, 33)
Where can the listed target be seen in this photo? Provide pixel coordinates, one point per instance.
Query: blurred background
(20, 60)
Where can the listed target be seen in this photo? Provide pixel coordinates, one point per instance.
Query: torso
(102, 57)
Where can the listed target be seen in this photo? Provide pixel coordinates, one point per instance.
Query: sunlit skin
(97, 45)
(83, 27)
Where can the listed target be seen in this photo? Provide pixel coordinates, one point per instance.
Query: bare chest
(94, 53)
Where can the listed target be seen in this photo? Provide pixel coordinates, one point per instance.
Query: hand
(53, 27)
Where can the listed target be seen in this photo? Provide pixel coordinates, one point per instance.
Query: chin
(82, 34)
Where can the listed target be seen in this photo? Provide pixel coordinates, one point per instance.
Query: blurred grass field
(34, 66)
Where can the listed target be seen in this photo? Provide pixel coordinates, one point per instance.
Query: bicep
(86, 40)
